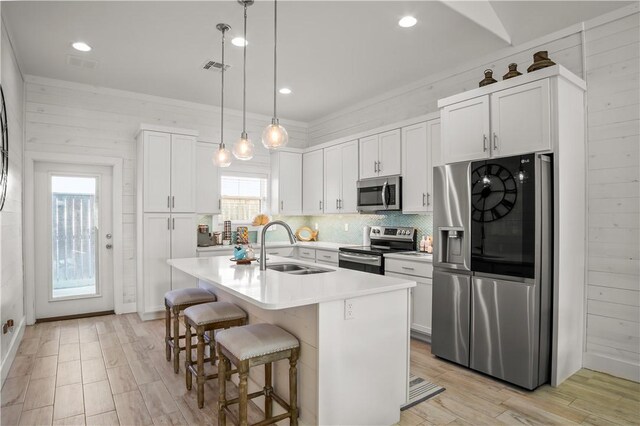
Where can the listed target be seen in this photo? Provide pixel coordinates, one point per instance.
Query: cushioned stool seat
(256, 340)
(250, 346)
(207, 318)
(188, 296)
(176, 301)
(208, 313)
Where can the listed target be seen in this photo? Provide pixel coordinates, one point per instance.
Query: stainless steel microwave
(379, 194)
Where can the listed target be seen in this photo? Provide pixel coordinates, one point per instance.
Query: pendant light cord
(275, 55)
(244, 78)
(222, 96)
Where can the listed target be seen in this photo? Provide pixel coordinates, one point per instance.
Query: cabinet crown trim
(165, 129)
(553, 71)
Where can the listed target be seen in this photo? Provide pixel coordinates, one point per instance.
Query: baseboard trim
(13, 349)
(615, 367)
(148, 316)
(126, 308)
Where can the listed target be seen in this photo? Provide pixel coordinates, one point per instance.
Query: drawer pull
(326, 256)
(408, 268)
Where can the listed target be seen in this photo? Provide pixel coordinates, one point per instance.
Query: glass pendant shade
(275, 136)
(243, 148)
(222, 157)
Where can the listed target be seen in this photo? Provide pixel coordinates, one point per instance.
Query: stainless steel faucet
(263, 247)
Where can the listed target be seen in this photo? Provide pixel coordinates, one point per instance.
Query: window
(243, 197)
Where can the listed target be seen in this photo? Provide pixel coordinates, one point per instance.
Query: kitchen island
(353, 329)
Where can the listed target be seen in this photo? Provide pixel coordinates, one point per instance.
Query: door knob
(109, 246)
(108, 236)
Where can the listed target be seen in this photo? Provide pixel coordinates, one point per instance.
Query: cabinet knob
(484, 143)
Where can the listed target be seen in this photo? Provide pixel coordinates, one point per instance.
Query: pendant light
(222, 157)
(274, 135)
(243, 148)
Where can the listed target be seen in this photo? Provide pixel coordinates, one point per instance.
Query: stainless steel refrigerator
(492, 280)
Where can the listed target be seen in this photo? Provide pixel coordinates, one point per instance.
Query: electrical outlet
(316, 226)
(346, 226)
(349, 311)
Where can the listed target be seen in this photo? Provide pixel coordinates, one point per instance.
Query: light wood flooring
(112, 370)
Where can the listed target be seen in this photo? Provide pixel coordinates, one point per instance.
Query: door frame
(29, 237)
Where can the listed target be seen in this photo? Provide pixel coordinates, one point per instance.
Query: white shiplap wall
(613, 142)
(64, 117)
(11, 276)
(610, 57)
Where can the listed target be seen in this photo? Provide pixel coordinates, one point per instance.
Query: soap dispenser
(423, 244)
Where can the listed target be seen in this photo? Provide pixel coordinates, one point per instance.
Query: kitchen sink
(297, 269)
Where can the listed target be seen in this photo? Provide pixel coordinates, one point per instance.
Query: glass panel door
(74, 224)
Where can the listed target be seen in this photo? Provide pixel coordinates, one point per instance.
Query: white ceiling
(331, 54)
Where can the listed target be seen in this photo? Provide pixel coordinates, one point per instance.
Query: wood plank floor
(111, 370)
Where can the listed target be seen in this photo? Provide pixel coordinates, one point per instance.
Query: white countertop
(319, 245)
(279, 290)
(413, 256)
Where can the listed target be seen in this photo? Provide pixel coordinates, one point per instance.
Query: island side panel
(363, 362)
(302, 323)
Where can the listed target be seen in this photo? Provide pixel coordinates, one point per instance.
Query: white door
(369, 157)
(520, 119)
(156, 251)
(183, 174)
(349, 196)
(415, 153)
(465, 130)
(389, 158)
(157, 172)
(332, 178)
(312, 182)
(207, 180)
(183, 244)
(290, 173)
(73, 254)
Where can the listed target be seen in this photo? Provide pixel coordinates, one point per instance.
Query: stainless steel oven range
(384, 239)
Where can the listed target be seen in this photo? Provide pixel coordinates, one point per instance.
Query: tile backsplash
(342, 228)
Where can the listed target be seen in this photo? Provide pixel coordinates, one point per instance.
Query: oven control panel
(392, 233)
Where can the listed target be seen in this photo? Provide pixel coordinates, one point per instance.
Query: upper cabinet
(512, 121)
(340, 178)
(313, 183)
(286, 183)
(380, 155)
(168, 171)
(207, 179)
(419, 143)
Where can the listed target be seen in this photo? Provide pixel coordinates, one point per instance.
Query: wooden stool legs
(268, 390)
(293, 388)
(167, 320)
(176, 340)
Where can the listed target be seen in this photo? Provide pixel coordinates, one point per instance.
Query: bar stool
(204, 318)
(176, 301)
(250, 346)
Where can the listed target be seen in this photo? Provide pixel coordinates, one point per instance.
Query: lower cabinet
(164, 236)
(421, 294)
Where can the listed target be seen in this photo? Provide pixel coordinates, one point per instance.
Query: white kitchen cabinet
(281, 251)
(520, 119)
(313, 183)
(183, 244)
(286, 183)
(512, 121)
(434, 135)
(183, 174)
(465, 130)
(169, 175)
(340, 178)
(418, 142)
(166, 220)
(307, 254)
(156, 152)
(207, 179)
(380, 155)
(421, 295)
(165, 236)
(328, 257)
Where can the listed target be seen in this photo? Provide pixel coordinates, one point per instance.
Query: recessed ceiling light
(407, 21)
(81, 46)
(239, 41)
(285, 91)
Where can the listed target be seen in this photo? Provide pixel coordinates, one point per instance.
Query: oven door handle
(360, 258)
(384, 194)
